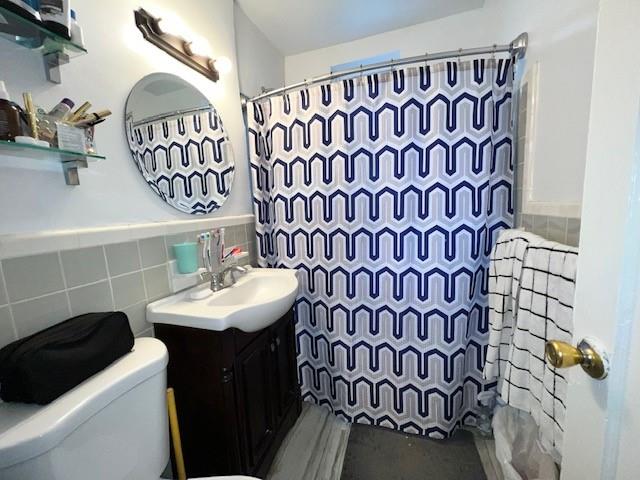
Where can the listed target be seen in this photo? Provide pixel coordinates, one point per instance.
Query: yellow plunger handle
(175, 434)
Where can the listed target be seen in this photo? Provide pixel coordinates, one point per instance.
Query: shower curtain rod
(175, 113)
(517, 47)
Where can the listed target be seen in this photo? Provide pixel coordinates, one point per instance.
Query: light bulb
(199, 46)
(223, 65)
(169, 25)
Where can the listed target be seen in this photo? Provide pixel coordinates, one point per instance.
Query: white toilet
(112, 427)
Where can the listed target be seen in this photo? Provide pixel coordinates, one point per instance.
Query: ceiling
(295, 26)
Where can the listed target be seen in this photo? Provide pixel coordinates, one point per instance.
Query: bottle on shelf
(13, 121)
(62, 109)
(56, 16)
(77, 36)
(25, 8)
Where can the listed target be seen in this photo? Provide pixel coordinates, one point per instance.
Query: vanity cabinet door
(255, 406)
(285, 365)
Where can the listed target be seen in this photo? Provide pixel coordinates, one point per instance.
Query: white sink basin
(257, 300)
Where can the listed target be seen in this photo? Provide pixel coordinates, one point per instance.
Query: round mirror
(178, 143)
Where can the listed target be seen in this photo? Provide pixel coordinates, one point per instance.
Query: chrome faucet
(217, 265)
(218, 280)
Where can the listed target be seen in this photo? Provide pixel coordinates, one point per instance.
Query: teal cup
(187, 256)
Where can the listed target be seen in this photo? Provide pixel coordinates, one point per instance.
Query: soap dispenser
(13, 120)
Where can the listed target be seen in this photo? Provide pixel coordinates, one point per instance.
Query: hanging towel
(505, 267)
(542, 298)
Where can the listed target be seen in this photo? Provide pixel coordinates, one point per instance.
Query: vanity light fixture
(178, 47)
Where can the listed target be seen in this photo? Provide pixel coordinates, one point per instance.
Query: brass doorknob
(588, 354)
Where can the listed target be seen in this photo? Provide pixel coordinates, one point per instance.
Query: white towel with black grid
(505, 267)
(543, 296)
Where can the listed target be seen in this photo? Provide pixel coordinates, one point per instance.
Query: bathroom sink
(258, 299)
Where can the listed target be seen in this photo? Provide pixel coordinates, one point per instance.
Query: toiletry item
(56, 16)
(25, 8)
(233, 252)
(62, 109)
(79, 112)
(30, 110)
(200, 294)
(70, 138)
(25, 139)
(205, 239)
(77, 36)
(222, 244)
(187, 256)
(90, 140)
(92, 118)
(13, 121)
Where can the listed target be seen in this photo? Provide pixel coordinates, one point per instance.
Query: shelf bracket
(70, 170)
(52, 62)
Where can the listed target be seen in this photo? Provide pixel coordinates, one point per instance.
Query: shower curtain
(386, 193)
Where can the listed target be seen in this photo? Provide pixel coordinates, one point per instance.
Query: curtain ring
(459, 52)
(493, 51)
(361, 73)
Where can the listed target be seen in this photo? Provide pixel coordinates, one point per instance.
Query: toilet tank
(113, 426)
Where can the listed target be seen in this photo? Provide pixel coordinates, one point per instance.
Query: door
(602, 426)
(255, 392)
(285, 364)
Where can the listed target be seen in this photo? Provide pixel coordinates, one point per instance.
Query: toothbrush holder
(187, 256)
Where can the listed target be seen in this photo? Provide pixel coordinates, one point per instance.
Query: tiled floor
(315, 449)
(487, 450)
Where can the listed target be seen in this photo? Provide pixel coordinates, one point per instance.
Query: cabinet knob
(273, 347)
(278, 341)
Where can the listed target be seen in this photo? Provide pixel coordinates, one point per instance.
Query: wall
(37, 291)
(260, 64)
(557, 227)
(113, 192)
(106, 244)
(562, 39)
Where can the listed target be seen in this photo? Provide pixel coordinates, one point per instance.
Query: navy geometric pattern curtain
(386, 193)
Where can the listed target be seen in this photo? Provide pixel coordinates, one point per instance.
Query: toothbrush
(205, 239)
(222, 255)
(235, 251)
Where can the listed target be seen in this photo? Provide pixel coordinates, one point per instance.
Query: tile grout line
(106, 266)
(38, 297)
(164, 243)
(6, 294)
(144, 282)
(64, 282)
(76, 287)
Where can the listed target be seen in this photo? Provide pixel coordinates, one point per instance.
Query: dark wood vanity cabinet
(237, 395)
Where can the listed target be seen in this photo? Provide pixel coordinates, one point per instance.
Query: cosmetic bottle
(25, 8)
(56, 16)
(13, 121)
(62, 109)
(77, 36)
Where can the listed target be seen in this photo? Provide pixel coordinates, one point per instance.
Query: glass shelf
(36, 152)
(32, 35)
(71, 161)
